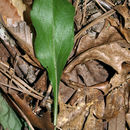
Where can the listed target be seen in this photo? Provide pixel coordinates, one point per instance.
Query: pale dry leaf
(5, 36)
(20, 6)
(8, 11)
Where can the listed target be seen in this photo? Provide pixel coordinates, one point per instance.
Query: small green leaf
(53, 21)
(8, 118)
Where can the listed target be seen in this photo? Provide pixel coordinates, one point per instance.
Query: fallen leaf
(9, 12)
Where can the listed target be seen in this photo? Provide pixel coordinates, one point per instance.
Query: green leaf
(8, 118)
(53, 22)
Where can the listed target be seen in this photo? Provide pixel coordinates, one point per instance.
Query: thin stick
(25, 90)
(20, 90)
(100, 18)
(47, 95)
(21, 81)
(100, 5)
(84, 11)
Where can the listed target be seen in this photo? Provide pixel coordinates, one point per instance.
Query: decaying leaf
(104, 53)
(94, 88)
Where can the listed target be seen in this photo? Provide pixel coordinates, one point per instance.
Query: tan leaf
(8, 11)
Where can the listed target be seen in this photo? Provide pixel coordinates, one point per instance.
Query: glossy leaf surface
(53, 22)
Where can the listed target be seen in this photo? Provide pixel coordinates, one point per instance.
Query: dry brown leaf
(112, 54)
(27, 47)
(124, 11)
(65, 92)
(92, 123)
(108, 34)
(40, 122)
(118, 123)
(124, 25)
(9, 12)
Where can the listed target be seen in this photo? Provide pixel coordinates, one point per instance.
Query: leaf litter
(94, 87)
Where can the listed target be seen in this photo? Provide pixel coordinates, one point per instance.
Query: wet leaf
(53, 21)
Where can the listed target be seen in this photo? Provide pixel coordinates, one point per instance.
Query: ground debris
(95, 84)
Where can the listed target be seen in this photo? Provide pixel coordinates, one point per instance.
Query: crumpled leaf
(113, 54)
(8, 118)
(53, 21)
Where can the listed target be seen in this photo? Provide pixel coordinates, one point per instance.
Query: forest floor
(94, 87)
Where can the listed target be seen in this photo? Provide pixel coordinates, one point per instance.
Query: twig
(20, 90)
(98, 2)
(9, 86)
(21, 86)
(20, 81)
(110, 2)
(84, 11)
(100, 18)
(74, 85)
(106, 5)
(47, 95)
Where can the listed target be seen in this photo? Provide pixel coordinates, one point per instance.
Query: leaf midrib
(55, 87)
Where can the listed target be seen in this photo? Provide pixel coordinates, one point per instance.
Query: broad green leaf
(53, 22)
(8, 118)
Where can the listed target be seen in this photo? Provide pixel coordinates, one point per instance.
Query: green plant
(53, 22)
(8, 118)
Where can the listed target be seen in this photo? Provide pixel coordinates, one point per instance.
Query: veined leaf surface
(8, 118)
(53, 22)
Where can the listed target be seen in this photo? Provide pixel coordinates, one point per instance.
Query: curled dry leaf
(112, 54)
(80, 103)
(12, 19)
(87, 42)
(124, 11)
(124, 25)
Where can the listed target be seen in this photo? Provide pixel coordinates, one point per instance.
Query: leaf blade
(8, 118)
(53, 46)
